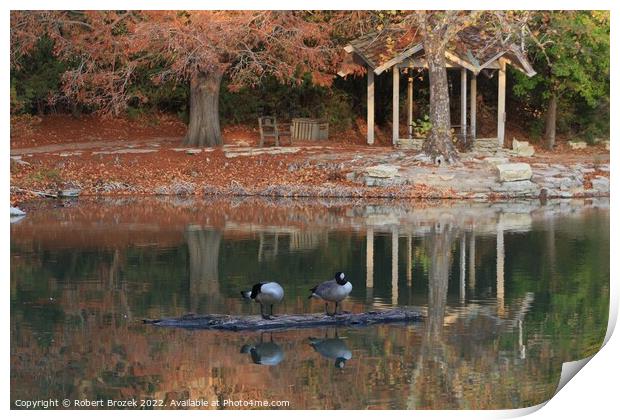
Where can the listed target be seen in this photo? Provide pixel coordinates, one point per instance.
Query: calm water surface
(510, 291)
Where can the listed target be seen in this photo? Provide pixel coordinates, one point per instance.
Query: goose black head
(340, 278)
(340, 362)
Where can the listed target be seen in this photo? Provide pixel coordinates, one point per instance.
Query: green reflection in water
(510, 292)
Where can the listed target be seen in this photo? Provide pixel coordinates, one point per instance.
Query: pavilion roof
(471, 49)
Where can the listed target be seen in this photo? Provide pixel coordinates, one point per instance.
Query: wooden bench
(310, 129)
(269, 128)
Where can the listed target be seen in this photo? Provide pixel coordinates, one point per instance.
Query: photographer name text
(145, 403)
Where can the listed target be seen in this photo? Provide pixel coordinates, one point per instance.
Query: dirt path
(94, 145)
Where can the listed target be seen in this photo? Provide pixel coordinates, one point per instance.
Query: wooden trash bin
(309, 129)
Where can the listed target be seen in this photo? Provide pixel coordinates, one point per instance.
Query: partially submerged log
(283, 322)
(45, 194)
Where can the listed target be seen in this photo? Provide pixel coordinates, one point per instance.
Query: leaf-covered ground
(143, 157)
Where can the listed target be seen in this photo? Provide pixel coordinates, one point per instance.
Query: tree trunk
(550, 122)
(204, 116)
(439, 145)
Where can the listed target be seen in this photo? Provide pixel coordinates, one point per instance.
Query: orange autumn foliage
(106, 49)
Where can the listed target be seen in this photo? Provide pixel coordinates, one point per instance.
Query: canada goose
(265, 294)
(333, 290)
(332, 348)
(268, 354)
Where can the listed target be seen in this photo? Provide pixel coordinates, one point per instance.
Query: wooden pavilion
(399, 50)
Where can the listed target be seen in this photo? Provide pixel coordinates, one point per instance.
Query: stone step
(410, 144)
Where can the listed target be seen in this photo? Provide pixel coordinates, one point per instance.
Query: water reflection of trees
(80, 345)
(461, 366)
(439, 244)
(204, 250)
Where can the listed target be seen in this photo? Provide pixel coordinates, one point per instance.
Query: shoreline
(286, 191)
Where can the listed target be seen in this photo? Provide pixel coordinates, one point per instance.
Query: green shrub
(286, 102)
(338, 111)
(422, 126)
(37, 79)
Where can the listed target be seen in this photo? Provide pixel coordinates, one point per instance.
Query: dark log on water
(283, 322)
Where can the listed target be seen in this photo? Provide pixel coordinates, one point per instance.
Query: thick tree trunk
(204, 115)
(550, 122)
(439, 145)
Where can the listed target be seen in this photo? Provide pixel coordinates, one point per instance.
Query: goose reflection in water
(332, 348)
(269, 354)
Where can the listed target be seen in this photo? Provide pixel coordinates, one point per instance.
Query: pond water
(509, 291)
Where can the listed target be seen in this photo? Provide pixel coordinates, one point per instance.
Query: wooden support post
(464, 103)
(472, 105)
(395, 103)
(370, 104)
(409, 261)
(500, 269)
(394, 267)
(462, 273)
(501, 103)
(472, 261)
(410, 106)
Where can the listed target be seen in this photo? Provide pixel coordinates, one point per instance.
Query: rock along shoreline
(317, 172)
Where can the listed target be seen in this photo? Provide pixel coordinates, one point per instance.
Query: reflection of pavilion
(438, 365)
(495, 225)
(298, 240)
(270, 238)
